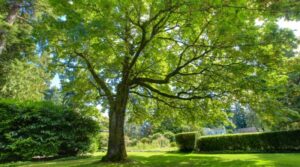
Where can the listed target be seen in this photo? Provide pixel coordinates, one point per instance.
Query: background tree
(23, 81)
(22, 75)
(196, 57)
(239, 117)
(12, 9)
(55, 95)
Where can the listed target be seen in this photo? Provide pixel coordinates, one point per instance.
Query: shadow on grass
(176, 160)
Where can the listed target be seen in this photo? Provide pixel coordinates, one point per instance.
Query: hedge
(41, 129)
(186, 141)
(282, 141)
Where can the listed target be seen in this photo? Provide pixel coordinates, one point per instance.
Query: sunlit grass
(159, 159)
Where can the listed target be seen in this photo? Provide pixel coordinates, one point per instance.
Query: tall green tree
(239, 117)
(15, 28)
(24, 81)
(12, 8)
(194, 56)
(22, 75)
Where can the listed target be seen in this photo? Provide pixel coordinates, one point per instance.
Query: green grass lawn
(161, 159)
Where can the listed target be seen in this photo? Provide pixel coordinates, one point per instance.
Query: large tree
(194, 56)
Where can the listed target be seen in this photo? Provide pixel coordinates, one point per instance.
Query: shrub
(103, 140)
(142, 146)
(133, 142)
(169, 135)
(145, 140)
(161, 142)
(283, 141)
(127, 140)
(173, 144)
(156, 136)
(32, 129)
(186, 141)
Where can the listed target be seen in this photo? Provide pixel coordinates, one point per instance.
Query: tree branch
(98, 80)
(173, 96)
(157, 99)
(155, 29)
(171, 74)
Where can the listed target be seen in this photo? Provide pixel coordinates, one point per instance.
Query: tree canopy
(179, 50)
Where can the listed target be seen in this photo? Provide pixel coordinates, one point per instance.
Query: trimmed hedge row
(186, 141)
(41, 129)
(282, 141)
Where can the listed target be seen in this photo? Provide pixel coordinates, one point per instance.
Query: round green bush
(133, 142)
(173, 144)
(169, 135)
(145, 140)
(42, 129)
(161, 142)
(156, 136)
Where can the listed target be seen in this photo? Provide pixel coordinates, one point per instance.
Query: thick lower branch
(98, 80)
(172, 96)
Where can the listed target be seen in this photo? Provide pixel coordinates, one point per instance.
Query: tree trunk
(116, 144)
(10, 19)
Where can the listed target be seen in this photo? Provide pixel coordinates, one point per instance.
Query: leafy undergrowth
(158, 159)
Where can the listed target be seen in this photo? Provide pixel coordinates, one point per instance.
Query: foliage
(54, 95)
(31, 129)
(239, 117)
(23, 81)
(170, 136)
(152, 142)
(167, 123)
(145, 140)
(270, 120)
(161, 142)
(277, 109)
(173, 144)
(148, 145)
(15, 41)
(292, 96)
(282, 141)
(215, 43)
(133, 142)
(103, 140)
(22, 76)
(143, 146)
(147, 58)
(186, 141)
(156, 136)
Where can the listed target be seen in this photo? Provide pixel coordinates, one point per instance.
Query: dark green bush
(145, 140)
(156, 136)
(133, 142)
(41, 129)
(173, 144)
(186, 141)
(283, 141)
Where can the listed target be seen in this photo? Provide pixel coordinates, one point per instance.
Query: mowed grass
(161, 159)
